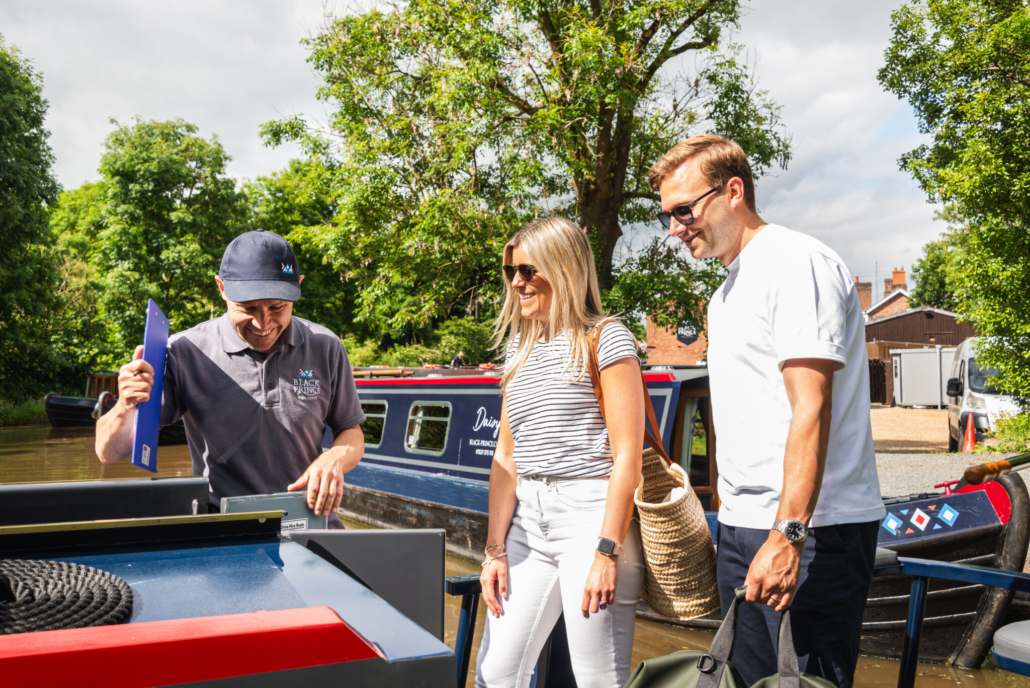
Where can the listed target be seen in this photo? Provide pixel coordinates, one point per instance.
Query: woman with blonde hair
(570, 548)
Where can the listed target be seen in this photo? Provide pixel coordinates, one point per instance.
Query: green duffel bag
(713, 669)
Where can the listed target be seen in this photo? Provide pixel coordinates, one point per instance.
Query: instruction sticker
(294, 524)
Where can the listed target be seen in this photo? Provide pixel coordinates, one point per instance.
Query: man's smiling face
(259, 323)
(707, 236)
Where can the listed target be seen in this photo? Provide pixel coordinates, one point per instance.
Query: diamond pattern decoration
(920, 519)
(891, 524)
(948, 515)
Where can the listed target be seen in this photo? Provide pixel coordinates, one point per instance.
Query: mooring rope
(53, 595)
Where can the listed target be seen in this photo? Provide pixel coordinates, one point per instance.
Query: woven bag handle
(595, 379)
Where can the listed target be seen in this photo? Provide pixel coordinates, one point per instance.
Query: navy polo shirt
(255, 421)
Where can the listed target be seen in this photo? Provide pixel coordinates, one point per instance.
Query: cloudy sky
(229, 66)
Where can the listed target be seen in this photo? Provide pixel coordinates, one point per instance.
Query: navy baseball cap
(260, 265)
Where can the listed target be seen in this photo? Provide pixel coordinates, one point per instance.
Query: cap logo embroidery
(287, 269)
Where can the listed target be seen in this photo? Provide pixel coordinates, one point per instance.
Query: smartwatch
(795, 531)
(608, 547)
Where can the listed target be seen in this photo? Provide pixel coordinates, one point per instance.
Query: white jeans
(550, 550)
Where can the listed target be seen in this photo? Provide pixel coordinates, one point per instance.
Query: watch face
(794, 531)
(605, 546)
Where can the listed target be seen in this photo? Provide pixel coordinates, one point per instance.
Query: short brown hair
(721, 160)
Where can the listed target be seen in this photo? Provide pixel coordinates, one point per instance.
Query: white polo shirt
(788, 296)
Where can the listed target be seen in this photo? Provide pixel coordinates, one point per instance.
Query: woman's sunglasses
(526, 272)
(684, 214)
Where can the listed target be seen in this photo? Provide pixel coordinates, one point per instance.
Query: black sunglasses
(526, 272)
(684, 214)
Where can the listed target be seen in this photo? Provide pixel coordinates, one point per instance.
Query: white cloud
(227, 67)
(819, 60)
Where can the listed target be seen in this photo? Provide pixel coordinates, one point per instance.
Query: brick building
(865, 293)
(895, 297)
(675, 346)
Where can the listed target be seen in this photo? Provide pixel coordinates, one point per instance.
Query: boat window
(375, 420)
(428, 423)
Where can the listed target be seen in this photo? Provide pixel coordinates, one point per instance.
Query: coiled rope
(53, 595)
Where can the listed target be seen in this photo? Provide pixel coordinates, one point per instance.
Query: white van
(970, 392)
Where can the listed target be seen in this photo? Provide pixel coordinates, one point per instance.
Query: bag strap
(786, 657)
(712, 663)
(595, 379)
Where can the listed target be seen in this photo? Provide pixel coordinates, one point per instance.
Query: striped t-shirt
(557, 426)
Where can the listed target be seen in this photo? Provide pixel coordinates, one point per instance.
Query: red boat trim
(480, 380)
(435, 381)
(999, 498)
(161, 653)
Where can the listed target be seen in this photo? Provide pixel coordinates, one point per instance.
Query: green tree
(27, 191)
(295, 203)
(934, 276)
(456, 121)
(169, 210)
(962, 65)
(79, 331)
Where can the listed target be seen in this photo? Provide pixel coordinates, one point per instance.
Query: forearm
(348, 448)
(503, 478)
(805, 459)
(114, 434)
(618, 509)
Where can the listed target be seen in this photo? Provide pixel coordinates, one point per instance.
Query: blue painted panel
(188, 583)
(935, 516)
(184, 582)
(471, 495)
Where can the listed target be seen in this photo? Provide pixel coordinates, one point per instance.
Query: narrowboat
(429, 441)
(140, 580)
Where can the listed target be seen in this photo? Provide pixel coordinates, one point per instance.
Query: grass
(25, 413)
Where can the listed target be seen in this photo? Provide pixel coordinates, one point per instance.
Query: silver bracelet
(502, 555)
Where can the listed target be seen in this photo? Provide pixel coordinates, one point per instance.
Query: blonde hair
(560, 250)
(720, 159)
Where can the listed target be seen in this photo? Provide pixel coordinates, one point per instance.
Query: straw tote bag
(680, 579)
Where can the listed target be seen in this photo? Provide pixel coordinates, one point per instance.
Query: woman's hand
(601, 583)
(494, 581)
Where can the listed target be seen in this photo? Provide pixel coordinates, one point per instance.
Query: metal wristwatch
(796, 532)
(608, 547)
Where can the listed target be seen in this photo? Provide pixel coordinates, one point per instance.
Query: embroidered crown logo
(287, 269)
(307, 373)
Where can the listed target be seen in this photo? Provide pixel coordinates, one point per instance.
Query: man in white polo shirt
(790, 397)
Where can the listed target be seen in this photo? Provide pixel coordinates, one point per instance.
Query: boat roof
(677, 372)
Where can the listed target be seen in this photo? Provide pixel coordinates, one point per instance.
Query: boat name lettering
(482, 443)
(485, 421)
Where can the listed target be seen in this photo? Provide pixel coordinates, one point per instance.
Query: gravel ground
(908, 429)
(903, 474)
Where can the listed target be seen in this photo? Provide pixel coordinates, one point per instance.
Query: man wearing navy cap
(255, 388)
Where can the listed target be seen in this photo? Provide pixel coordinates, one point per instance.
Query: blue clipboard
(148, 414)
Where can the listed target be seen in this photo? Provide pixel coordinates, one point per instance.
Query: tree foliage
(288, 203)
(454, 122)
(28, 189)
(962, 64)
(934, 274)
(168, 212)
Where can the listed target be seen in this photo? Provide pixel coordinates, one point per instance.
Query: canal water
(44, 454)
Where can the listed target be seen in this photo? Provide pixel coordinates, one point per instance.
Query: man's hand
(324, 481)
(773, 575)
(135, 380)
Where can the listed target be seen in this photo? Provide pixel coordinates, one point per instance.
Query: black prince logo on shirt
(305, 384)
